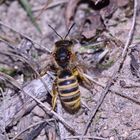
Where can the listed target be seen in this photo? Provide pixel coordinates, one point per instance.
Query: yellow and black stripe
(69, 92)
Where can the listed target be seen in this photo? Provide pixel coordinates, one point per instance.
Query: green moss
(8, 71)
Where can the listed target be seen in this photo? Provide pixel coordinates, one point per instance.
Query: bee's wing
(45, 63)
(85, 57)
(99, 56)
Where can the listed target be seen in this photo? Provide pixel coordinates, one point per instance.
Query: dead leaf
(95, 25)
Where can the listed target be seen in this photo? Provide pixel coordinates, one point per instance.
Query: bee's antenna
(55, 31)
(69, 30)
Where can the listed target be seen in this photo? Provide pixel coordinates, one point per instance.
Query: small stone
(105, 128)
(112, 138)
(15, 128)
(122, 83)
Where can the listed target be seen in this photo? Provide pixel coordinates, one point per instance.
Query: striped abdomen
(68, 89)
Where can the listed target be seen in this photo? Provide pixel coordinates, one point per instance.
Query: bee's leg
(78, 72)
(54, 94)
(83, 80)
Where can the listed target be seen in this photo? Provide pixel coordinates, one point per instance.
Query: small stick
(2, 92)
(131, 32)
(84, 137)
(22, 59)
(45, 106)
(23, 35)
(51, 5)
(113, 91)
(85, 105)
(94, 81)
(94, 111)
(121, 60)
(33, 125)
(62, 130)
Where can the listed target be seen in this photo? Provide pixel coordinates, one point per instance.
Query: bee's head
(63, 43)
(62, 52)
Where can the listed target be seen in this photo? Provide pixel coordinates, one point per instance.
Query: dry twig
(51, 5)
(121, 60)
(22, 59)
(31, 126)
(23, 35)
(44, 8)
(5, 133)
(62, 130)
(45, 106)
(130, 35)
(84, 137)
(113, 91)
(94, 111)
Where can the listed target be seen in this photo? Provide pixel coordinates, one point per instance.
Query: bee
(68, 75)
(63, 53)
(67, 88)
